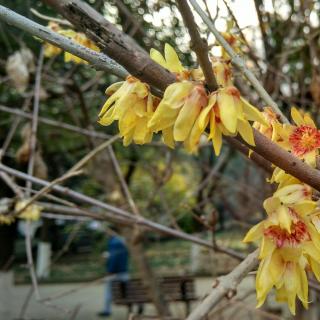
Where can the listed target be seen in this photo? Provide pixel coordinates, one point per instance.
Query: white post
(43, 259)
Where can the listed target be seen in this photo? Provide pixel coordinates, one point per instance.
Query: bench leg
(188, 308)
(140, 308)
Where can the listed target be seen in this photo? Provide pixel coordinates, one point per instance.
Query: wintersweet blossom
(270, 128)
(287, 246)
(31, 212)
(222, 72)
(170, 61)
(227, 113)
(82, 39)
(233, 40)
(132, 104)
(6, 219)
(79, 37)
(49, 49)
(178, 111)
(302, 139)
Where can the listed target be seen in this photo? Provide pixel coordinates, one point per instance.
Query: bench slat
(134, 290)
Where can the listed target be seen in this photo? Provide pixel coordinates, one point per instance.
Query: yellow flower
(80, 38)
(49, 49)
(285, 206)
(289, 244)
(6, 219)
(222, 72)
(176, 115)
(303, 140)
(32, 212)
(132, 104)
(272, 125)
(170, 61)
(229, 114)
(284, 257)
(233, 41)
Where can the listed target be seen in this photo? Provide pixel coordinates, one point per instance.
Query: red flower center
(282, 237)
(304, 139)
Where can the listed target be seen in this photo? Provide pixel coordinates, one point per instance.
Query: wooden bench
(134, 292)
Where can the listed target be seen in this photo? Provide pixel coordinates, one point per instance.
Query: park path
(88, 301)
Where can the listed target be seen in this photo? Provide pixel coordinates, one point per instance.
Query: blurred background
(217, 199)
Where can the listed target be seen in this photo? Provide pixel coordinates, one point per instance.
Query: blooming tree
(159, 96)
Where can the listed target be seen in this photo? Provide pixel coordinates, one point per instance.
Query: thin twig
(14, 127)
(54, 123)
(33, 141)
(13, 186)
(46, 189)
(48, 18)
(117, 212)
(123, 183)
(93, 153)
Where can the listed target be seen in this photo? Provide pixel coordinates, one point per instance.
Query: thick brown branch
(257, 159)
(284, 160)
(113, 42)
(198, 45)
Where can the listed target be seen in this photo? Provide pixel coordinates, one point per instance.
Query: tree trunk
(149, 279)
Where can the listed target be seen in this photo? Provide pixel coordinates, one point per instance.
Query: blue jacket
(117, 261)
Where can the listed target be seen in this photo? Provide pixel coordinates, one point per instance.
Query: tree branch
(98, 60)
(57, 124)
(198, 45)
(225, 287)
(117, 212)
(113, 42)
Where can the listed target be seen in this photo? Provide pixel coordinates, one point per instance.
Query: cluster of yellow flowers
(32, 212)
(6, 219)
(290, 235)
(186, 109)
(79, 37)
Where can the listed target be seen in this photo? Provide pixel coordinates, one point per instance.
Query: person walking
(117, 267)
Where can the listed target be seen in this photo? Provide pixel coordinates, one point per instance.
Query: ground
(86, 299)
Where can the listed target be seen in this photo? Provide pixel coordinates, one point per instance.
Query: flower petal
(172, 59)
(228, 110)
(297, 117)
(255, 233)
(252, 113)
(156, 56)
(246, 132)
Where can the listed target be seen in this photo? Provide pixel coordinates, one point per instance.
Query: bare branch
(54, 123)
(117, 212)
(32, 147)
(48, 18)
(225, 287)
(198, 45)
(93, 153)
(98, 60)
(113, 42)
